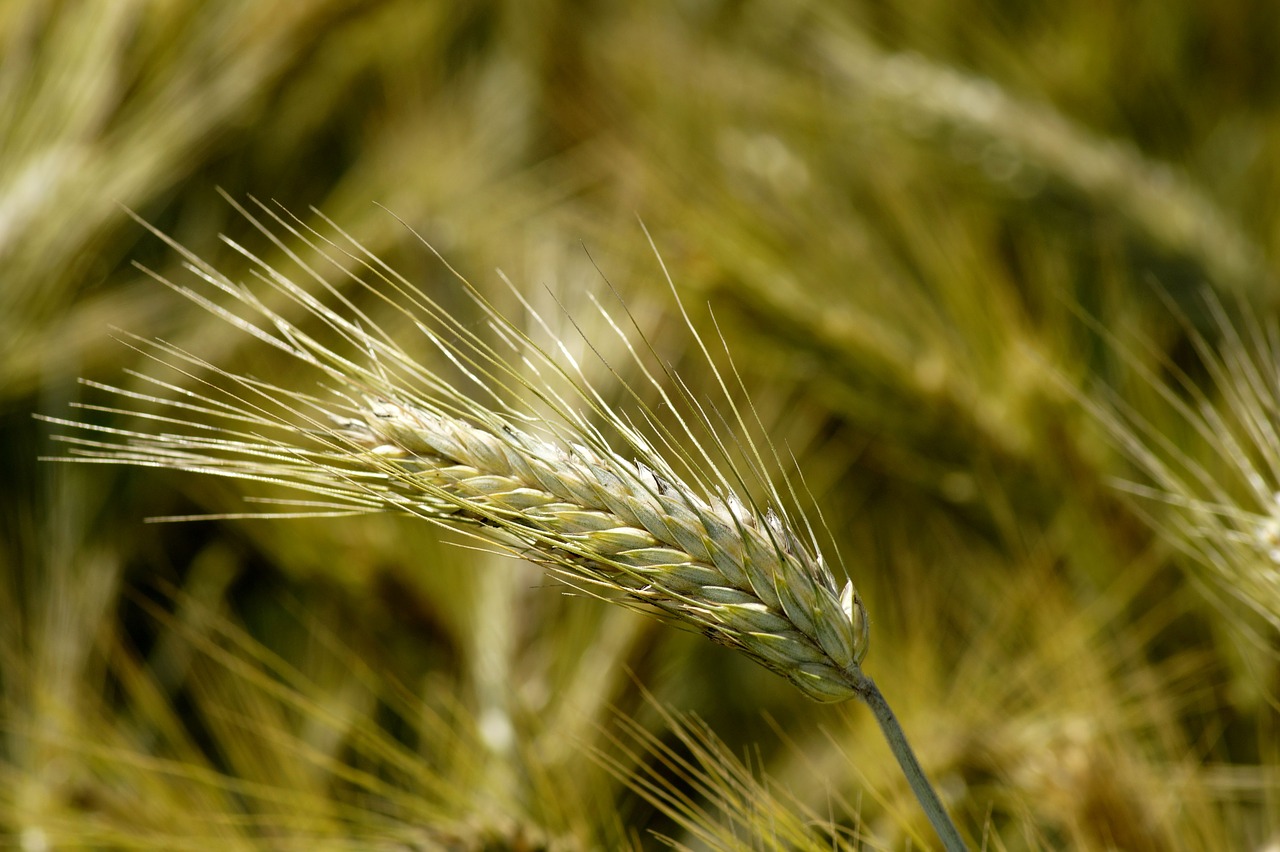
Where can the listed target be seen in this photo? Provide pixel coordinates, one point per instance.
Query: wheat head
(1213, 492)
(578, 488)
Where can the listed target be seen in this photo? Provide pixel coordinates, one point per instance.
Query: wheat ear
(392, 435)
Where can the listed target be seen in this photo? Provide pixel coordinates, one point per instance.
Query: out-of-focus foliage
(959, 252)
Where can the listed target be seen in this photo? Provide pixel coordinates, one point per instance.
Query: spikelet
(598, 506)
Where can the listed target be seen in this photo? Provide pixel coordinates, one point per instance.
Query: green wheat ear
(558, 477)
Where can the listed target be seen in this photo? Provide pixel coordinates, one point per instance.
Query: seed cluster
(746, 582)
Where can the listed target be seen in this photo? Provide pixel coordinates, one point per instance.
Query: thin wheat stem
(871, 695)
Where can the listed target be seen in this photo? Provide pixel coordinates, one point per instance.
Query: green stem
(927, 796)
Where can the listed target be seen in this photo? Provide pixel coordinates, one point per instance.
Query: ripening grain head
(511, 443)
(1211, 462)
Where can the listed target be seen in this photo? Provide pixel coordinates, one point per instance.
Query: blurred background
(980, 263)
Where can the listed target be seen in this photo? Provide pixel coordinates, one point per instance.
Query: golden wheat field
(397, 395)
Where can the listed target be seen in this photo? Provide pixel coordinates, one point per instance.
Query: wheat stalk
(578, 488)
